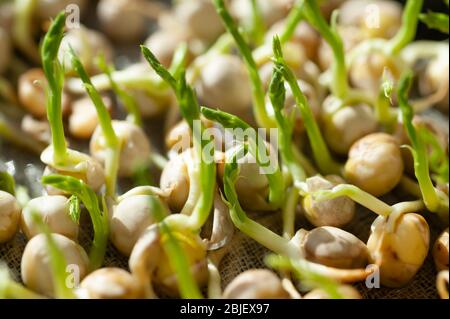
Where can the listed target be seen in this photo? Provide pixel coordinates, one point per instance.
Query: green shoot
(177, 258)
(55, 78)
(190, 111)
(74, 208)
(308, 277)
(408, 29)
(435, 20)
(288, 214)
(257, 29)
(435, 200)
(356, 194)
(127, 100)
(99, 219)
(229, 121)
(259, 107)
(367, 200)
(57, 261)
(438, 159)
(179, 60)
(112, 142)
(292, 20)
(277, 93)
(138, 79)
(320, 150)
(339, 82)
(158, 67)
(240, 219)
(383, 111)
(7, 183)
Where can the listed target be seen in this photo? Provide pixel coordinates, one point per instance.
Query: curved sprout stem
(99, 219)
(435, 20)
(249, 227)
(257, 29)
(177, 258)
(190, 111)
(304, 272)
(128, 101)
(256, 148)
(435, 200)
(112, 142)
(214, 288)
(358, 195)
(259, 108)
(289, 213)
(408, 29)
(57, 261)
(179, 60)
(320, 150)
(385, 115)
(277, 93)
(293, 19)
(367, 200)
(55, 78)
(438, 159)
(339, 84)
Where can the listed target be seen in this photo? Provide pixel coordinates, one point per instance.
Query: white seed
(9, 216)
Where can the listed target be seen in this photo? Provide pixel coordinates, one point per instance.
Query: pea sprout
(127, 100)
(367, 200)
(274, 242)
(435, 200)
(320, 150)
(276, 183)
(7, 183)
(55, 78)
(339, 82)
(57, 261)
(408, 29)
(292, 20)
(177, 257)
(99, 219)
(240, 219)
(130, 78)
(438, 159)
(74, 208)
(435, 20)
(383, 111)
(259, 107)
(189, 109)
(112, 142)
(257, 28)
(277, 93)
(309, 278)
